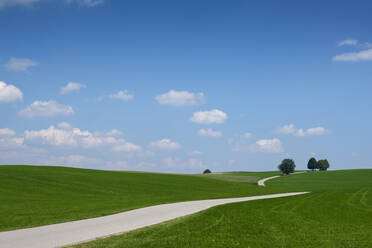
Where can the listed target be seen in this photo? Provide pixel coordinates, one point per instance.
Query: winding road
(263, 180)
(63, 234)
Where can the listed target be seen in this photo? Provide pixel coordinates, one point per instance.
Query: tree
(323, 164)
(318, 165)
(287, 166)
(207, 171)
(311, 165)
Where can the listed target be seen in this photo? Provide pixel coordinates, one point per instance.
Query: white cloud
(7, 132)
(195, 153)
(264, 145)
(7, 139)
(88, 3)
(64, 125)
(209, 132)
(20, 64)
(127, 147)
(6, 3)
(11, 142)
(65, 135)
(46, 109)
(267, 145)
(348, 42)
(165, 144)
(72, 86)
(121, 95)
(9, 93)
(363, 55)
(209, 117)
(291, 130)
(180, 98)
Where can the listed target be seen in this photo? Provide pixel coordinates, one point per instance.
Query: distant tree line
(288, 166)
(322, 164)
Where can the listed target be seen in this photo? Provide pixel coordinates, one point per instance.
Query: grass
(241, 176)
(39, 195)
(338, 213)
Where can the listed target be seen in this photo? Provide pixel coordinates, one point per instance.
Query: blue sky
(179, 86)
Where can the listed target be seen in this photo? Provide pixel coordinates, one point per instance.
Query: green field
(241, 176)
(40, 195)
(338, 213)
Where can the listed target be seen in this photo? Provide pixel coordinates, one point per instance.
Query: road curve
(58, 235)
(263, 180)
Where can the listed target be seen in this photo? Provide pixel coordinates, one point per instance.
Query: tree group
(322, 164)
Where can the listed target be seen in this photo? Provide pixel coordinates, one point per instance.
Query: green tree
(207, 171)
(323, 164)
(287, 166)
(311, 165)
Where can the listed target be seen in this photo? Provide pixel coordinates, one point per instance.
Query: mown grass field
(40, 195)
(338, 213)
(241, 176)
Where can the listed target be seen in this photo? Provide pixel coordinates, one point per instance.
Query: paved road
(263, 180)
(68, 233)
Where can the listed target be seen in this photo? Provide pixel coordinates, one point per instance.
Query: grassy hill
(338, 213)
(40, 195)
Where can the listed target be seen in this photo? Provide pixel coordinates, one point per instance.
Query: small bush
(207, 171)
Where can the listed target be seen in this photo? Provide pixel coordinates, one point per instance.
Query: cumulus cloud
(263, 145)
(291, 130)
(180, 98)
(88, 3)
(267, 145)
(127, 147)
(72, 86)
(165, 144)
(46, 109)
(9, 3)
(8, 139)
(20, 64)
(64, 135)
(10, 93)
(363, 55)
(209, 117)
(348, 42)
(209, 132)
(121, 95)
(7, 132)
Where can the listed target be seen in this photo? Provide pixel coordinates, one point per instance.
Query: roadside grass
(40, 195)
(338, 213)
